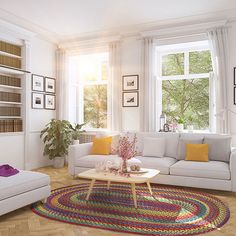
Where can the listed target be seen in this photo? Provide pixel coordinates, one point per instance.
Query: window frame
(181, 48)
(79, 88)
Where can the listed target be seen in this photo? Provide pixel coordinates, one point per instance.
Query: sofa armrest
(232, 165)
(75, 152)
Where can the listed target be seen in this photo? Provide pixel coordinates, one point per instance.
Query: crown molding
(25, 27)
(191, 27)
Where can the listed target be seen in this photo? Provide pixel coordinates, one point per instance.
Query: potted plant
(57, 136)
(76, 132)
(180, 125)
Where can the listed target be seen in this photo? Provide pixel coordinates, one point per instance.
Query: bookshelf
(11, 87)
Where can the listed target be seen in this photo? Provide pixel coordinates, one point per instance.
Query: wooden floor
(24, 222)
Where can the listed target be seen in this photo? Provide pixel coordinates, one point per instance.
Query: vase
(124, 167)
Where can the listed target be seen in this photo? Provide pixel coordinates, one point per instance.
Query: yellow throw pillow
(101, 146)
(196, 152)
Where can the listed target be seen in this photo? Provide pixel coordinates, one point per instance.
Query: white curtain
(218, 40)
(62, 85)
(148, 101)
(114, 90)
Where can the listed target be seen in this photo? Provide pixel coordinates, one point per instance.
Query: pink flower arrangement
(126, 149)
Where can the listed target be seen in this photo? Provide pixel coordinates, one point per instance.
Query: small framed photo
(50, 85)
(37, 83)
(50, 102)
(130, 82)
(130, 99)
(234, 95)
(234, 76)
(37, 100)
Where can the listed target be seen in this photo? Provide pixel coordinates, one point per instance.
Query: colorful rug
(172, 210)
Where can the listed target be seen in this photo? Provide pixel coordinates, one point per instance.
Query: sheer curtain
(114, 90)
(62, 85)
(218, 40)
(148, 96)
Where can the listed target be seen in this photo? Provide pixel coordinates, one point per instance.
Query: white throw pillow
(154, 147)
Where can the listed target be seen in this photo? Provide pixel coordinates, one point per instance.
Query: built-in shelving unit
(11, 75)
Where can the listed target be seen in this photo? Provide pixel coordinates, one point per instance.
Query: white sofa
(218, 173)
(22, 189)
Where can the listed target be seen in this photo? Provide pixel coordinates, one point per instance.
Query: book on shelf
(10, 97)
(10, 81)
(10, 61)
(10, 111)
(10, 48)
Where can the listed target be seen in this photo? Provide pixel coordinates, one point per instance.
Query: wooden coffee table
(111, 177)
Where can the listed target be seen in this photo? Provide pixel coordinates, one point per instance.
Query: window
(88, 90)
(183, 73)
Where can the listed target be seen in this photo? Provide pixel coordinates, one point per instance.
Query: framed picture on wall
(50, 102)
(37, 83)
(37, 100)
(130, 82)
(130, 99)
(50, 85)
(234, 76)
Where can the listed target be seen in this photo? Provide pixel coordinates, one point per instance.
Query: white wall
(131, 65)
(42, 62)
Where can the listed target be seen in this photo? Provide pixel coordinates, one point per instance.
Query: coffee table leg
(134, 194)
(149, 187)
(90, 189)
(108, 184)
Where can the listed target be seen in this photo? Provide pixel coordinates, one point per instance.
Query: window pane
(173, 64)
(200, 62)
(187, 99)
(95, 106)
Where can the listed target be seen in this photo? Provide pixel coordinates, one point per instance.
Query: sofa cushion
(162, 164)
(219, 148)
(181, 154)
(90, 161)
(154, 147)
(211, 169)
(172, 140)
(196, 152)
(22, 182)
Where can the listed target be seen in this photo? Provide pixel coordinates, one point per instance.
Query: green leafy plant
(56, 136)
(180, 121)
(76, 130)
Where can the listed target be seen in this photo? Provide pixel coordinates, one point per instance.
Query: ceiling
(66, 19)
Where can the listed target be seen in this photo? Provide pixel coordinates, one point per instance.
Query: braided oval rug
(171, 210)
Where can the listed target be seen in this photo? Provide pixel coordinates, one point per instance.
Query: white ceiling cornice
(25, 26)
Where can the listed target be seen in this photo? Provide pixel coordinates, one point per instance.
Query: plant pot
(76, 142)
(180, 127)
(58, 162)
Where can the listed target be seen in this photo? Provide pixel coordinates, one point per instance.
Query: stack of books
(11, 126)
(10, 48)
(10, 97)
(10, 111)
(10, 81)
(10, 61)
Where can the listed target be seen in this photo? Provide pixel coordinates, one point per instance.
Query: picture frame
(50, 102)
(130, 82)
(130, 99)
(234, 95)
(50, 85)
(37, 83)
(37, 100)
(234, 76)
